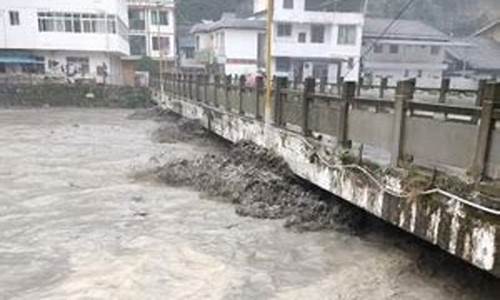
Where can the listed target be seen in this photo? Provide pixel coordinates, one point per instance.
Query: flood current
(76, 223)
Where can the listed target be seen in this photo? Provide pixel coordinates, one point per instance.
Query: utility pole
(268, 116)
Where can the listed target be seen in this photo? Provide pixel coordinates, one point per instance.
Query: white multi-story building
(81, 39)
(407, 49)
(152, 33)
(230, 45)
(311, 38)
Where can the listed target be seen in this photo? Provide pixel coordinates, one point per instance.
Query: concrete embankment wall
(85, 95)
(452, 225)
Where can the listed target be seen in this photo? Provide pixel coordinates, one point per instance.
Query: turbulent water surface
(75, 224)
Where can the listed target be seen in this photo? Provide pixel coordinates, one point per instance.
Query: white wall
(259, 5)
(241, 44)
(205, 41)
(302, 21)
(113, 63)
(152, 30)
(27, 36)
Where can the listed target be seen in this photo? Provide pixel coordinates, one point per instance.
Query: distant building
(230, 45)
(186, 49)
(151, 35)
(474, 58)
(409, 49)
(71, 40)
(311, 38)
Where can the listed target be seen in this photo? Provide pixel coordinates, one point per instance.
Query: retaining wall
(87, 95)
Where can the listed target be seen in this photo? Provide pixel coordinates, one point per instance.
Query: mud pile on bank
(261, 185)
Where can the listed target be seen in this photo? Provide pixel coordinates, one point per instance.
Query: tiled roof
(402, 29)
(482, 53)
(229, 21)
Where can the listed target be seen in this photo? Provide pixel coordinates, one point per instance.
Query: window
(197, 45)
(347, 35)
(77, 23)
(137, 19)
(159, 17)
(137, 45)
(189, 53)
(419, 73)
(282, 64)
(302, 37)
(284, 29)
(288, 4)
(317, 34)
(435, 50)
(378, 48)
(407, 73)
(394, 49)
(14, 18)
(164, 44)
(77, 65)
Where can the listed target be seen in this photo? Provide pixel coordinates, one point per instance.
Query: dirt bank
(261, 185)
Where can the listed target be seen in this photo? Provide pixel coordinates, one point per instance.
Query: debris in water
(262, 186)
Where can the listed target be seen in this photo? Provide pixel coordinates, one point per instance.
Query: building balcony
(137, 25)
(149, 3)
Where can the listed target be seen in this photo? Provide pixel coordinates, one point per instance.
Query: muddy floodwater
(75, 223)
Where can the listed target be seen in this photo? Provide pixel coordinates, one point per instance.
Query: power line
(384, 32)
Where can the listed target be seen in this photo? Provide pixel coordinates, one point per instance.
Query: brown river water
(76, 224)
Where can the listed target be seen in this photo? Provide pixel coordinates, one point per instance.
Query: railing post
(322, 84)
(216, 88)
(359, 86)
(348, 93)
(445, 87)
(227, 88)
(259, 85)
(206, 81)
(307, 97)
(190, 86)
(277, 100)
(340, 82)
(480, 91)
(490, 101)
(198, 86)
(242, 84)
(404, 93)
(383, 86)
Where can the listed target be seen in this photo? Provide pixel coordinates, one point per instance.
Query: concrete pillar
(227, 87)
(216, 89)
(348, 94)
(259, 86)
(383, 86)
(307, 98)
(445, 87)
(280, 83)
(404, 93)
(242, 84)
(490, 100)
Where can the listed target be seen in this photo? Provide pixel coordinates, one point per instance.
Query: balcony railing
(137, 24)
(152, 2)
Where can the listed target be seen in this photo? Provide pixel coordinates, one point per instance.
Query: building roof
(487, 27)
(482, 53)
(229, 20)
(402, 29)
